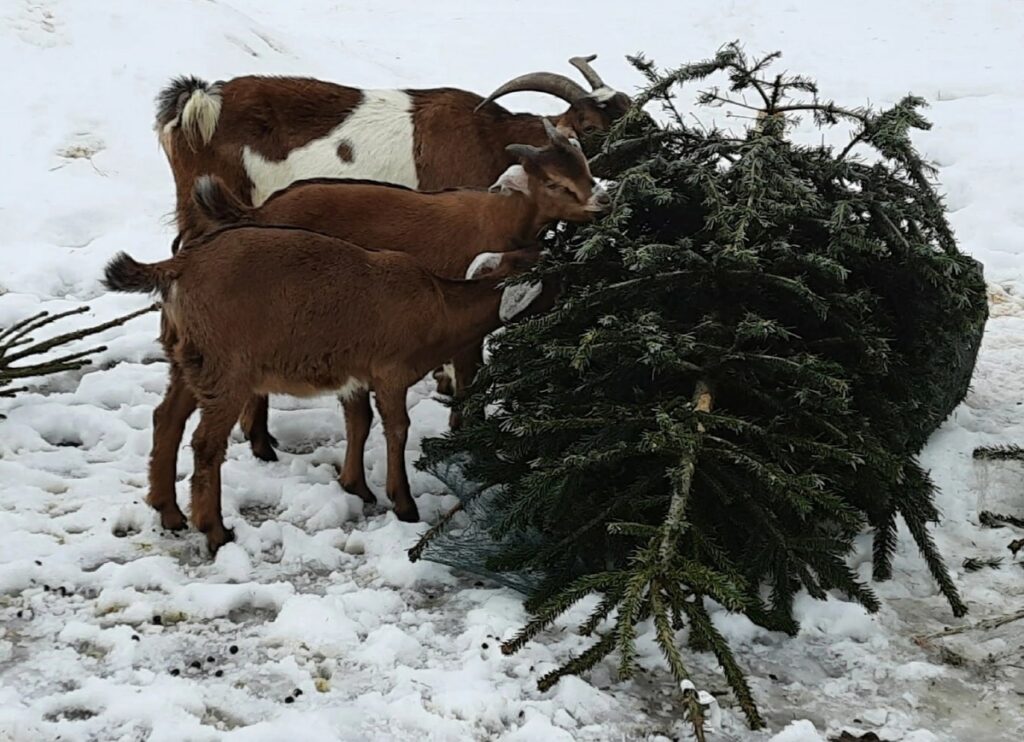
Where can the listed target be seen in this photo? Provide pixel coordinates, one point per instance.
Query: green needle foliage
(748, 353)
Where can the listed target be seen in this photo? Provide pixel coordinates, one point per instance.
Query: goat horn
(522, 151)
(559, 86)
(583, 65)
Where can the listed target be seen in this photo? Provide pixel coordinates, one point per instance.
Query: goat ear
(513, 179)
(483, 264)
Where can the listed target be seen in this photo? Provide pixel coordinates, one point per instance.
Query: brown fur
(261, 309)
(345, 152)
(271, 115)
(444, 231)
(453, 145)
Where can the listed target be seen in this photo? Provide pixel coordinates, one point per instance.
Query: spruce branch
(416, 551)
(994, 520)
(923, 640)
(703, 399)
(1008, 452)
(17, 336)
(700, 623)
(594, 654)
(919, 530)
(974, 564)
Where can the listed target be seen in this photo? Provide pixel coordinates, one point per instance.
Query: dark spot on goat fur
(345, 151)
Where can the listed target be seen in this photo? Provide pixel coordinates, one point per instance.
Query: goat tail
(125, 274)
(216, 203)
(190, 105)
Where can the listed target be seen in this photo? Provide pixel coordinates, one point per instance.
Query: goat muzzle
(599, 201)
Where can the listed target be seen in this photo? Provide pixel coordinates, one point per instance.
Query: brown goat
(444, 231)
(259, 134)
(260, 310)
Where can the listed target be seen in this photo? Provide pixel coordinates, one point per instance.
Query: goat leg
(358, 418)
(209, 444)
(394, 415)
(467, 362)
(255, 425)
(445, 381)
(169, 420)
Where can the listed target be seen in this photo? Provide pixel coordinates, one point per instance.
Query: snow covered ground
(314, 625)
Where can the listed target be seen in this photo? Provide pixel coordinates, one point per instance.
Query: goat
(287, 310)
(443, 230)
(259, 134)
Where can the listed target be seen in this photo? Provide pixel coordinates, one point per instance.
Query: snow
(798, 731)
(102, 615)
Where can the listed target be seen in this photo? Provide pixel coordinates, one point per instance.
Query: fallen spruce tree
(748, 353)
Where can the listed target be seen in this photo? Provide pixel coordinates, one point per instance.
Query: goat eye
(552, 186)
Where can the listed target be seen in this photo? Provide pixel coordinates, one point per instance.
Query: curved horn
(583, 65)
(559, 86)
(522, 151)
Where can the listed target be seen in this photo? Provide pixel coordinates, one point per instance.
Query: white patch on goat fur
(484, 263)
(596, 193)
(379, 132)
(170, 304)
(603, 94)
(199, 116)
(514, 299)
(351, 387)
(512, 180)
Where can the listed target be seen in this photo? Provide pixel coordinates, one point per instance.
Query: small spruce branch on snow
(747, 355)
(18, 347)
(987, 624)
(973, 564)
(999, 453)
(995, 520)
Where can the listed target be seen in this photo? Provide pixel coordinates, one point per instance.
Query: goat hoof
(173, 520)
(264, 449)
(360, 489)
(218, 537)
(410, 514)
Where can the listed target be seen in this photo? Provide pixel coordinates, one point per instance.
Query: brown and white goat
(444, 231)
(259, 134)
(258, 310)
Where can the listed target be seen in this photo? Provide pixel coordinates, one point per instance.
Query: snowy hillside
(314, 625)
